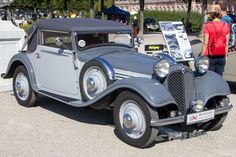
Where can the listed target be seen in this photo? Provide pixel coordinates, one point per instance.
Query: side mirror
(140, 40)
(59, 41)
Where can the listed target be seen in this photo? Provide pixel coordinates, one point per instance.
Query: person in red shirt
(215, 40)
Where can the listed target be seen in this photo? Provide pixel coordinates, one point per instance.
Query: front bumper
(182, 119)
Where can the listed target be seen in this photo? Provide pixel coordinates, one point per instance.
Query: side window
(49, 39)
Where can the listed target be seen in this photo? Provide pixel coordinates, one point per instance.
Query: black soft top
(69, 25)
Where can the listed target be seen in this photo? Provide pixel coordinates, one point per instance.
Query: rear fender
(17, 60)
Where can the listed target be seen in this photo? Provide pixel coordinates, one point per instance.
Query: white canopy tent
(5, 2)
(11, 41)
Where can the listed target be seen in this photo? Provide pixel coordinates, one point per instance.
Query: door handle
(37, 55)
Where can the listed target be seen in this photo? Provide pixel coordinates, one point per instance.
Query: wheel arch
(17, 60)
(206, 88)
(12, 68)
(109, 69)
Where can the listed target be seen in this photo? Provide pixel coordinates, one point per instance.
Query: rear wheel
(132, 117)
(23, 91)
(214, 124)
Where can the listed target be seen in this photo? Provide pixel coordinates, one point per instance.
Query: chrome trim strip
(223, 109)
(131, 73)
(47, 30)
(167, 121)
(122, 76)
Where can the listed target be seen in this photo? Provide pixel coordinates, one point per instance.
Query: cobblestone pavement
(53, 129)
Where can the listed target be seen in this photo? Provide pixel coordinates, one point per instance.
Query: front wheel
(93, 80)
(214, 124)
(23, 92)
(132, 117)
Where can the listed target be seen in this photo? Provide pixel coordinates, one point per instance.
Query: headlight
(224, 102)
(161, 68)
(198, 105)
(202, 64)
(140, 40)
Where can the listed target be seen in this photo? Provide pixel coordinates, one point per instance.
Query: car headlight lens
(161, 68)
(198, 105)
(140, 40)
(202, 64)
(224, 102)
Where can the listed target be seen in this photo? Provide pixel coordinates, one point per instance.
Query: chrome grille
(181, 86)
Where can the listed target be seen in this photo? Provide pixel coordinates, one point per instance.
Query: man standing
(225, 18)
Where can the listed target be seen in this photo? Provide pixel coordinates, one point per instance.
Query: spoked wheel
(214, 124)
(23, 92)
(132, 117)
(93, 80)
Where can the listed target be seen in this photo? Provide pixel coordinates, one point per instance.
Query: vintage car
(90, 62)
(150, 24)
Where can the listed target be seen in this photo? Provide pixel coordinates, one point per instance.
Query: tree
(102, 5)
(91, 6)
(49, 5)
(188, 25)
(204, 11)
(141, 11)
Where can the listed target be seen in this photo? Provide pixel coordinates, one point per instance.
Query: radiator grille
(181, 86)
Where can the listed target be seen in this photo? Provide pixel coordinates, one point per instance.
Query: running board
(69, 101)
(60, 98)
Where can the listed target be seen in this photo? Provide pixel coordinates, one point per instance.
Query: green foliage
(72, 5)
(25, 27)
(195, 18)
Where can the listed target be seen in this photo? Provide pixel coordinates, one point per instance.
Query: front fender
(151, 90)
(17, 60)
(211, 85)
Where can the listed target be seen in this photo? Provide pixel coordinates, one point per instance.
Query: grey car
(90, 62)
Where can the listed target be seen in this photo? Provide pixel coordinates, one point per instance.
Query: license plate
(201, 116)
(158, 47)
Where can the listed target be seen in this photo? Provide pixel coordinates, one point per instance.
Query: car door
(55, 71)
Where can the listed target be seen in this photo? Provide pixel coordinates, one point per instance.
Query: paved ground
(56, 130)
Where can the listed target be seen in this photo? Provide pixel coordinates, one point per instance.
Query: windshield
(89, 40)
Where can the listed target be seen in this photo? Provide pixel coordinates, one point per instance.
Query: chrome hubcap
(18, 87)
(127, 121)
(132, 119)
(94, 82)
(22, 86)
(91, 84)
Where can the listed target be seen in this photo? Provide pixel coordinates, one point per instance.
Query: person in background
(224, 17)
(227, 19)
(215, 40)
(135, 27)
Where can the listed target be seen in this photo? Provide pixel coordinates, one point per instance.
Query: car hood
(130, 61)
(127, 60)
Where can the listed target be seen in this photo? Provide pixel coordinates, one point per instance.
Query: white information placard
(176, 39)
